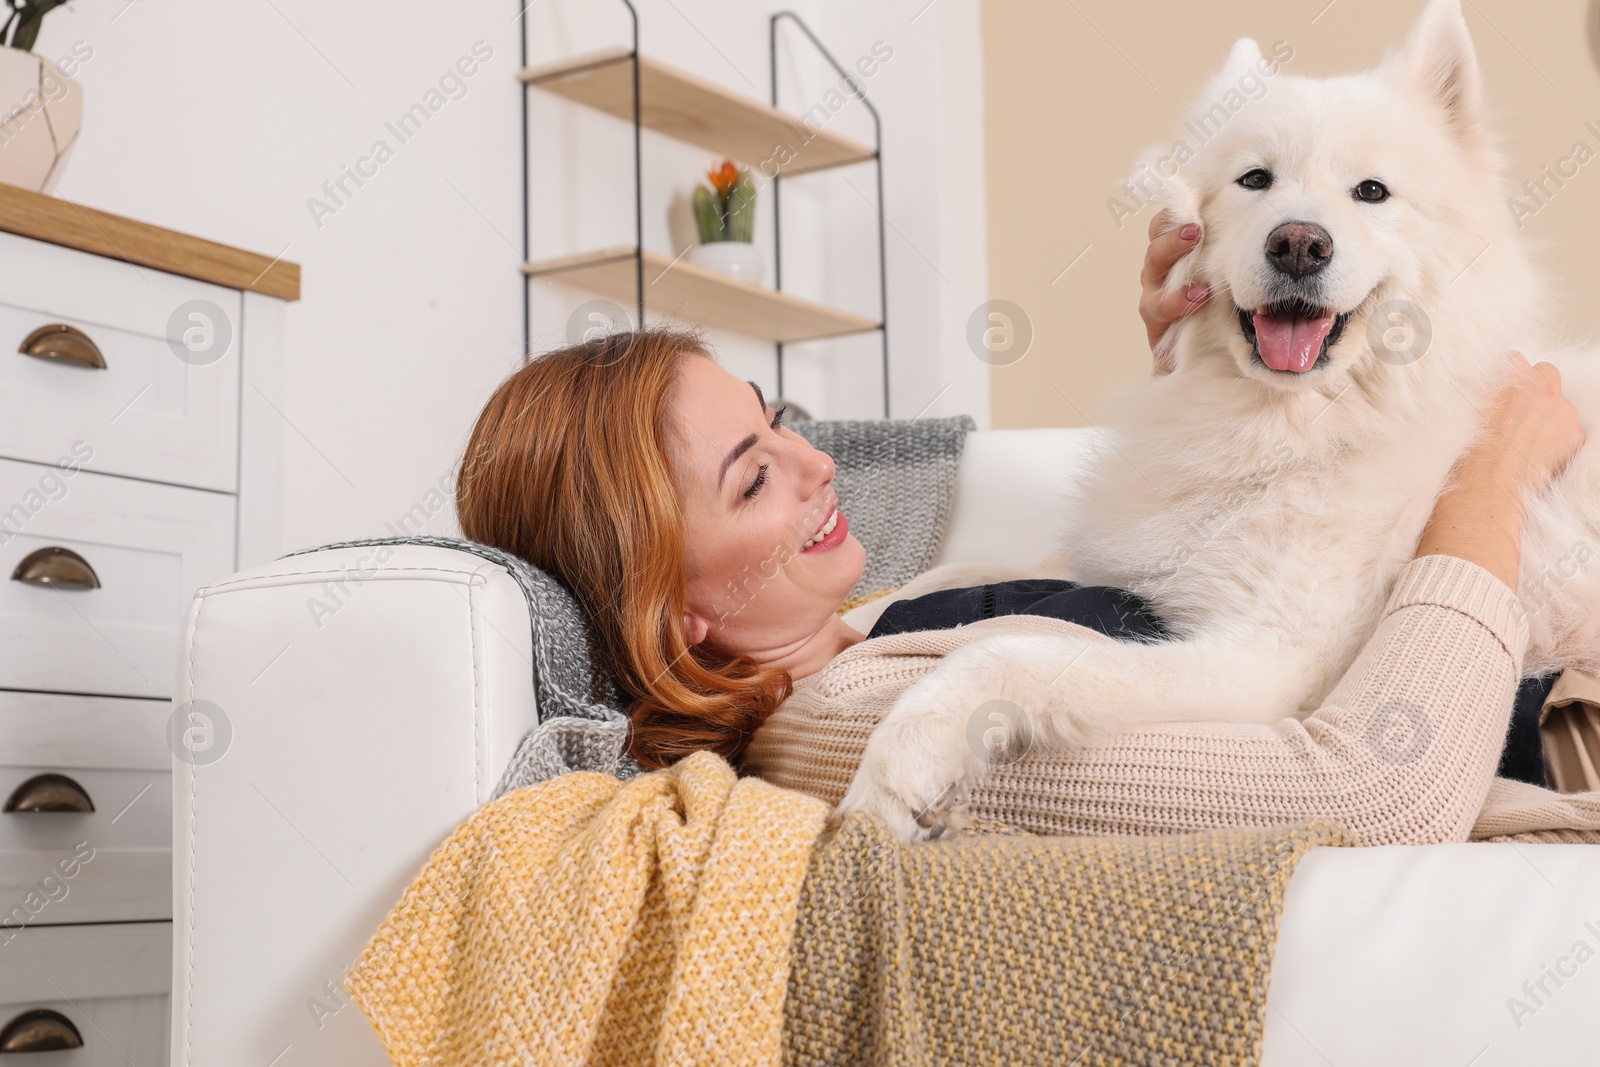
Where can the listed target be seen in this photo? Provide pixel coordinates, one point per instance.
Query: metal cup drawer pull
(39, 1030)
(65, 344)
(49, 793)
(58, 567)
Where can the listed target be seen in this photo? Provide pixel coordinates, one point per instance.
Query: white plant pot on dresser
(140, 441)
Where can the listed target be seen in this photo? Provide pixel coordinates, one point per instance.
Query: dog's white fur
(1266, 514)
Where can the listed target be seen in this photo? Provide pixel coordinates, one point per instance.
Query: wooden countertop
(61, 222)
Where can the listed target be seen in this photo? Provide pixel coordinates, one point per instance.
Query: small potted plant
(41, 107)
(725, 215)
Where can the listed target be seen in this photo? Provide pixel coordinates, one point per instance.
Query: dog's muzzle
(1291, 336)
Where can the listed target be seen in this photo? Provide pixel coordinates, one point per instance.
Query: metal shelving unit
(652, 95)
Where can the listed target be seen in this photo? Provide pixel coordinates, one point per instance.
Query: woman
(702, 538)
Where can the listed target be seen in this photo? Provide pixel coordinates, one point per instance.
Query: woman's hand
(1168, 244)
(1530, 433)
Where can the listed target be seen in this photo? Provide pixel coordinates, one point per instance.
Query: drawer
(113, 864)
(109, 983)
(82, 883)
(51, 729)
(148, 413)
(150, 545)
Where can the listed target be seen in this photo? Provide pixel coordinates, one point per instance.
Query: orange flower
(723, 176)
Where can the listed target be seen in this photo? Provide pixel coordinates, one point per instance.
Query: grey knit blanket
(896, 482)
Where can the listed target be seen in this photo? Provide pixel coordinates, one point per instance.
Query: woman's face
(753, 496)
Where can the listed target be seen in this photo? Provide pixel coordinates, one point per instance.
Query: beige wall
(1073, 98)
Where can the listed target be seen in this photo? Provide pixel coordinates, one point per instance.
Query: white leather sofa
(371, 708)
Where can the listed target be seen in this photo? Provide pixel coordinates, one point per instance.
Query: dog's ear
(1158, 178)
(1182, 202)
(1438, 57)
(1158, 175)
(1244, 56)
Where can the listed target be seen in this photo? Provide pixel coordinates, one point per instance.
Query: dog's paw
(920, 765)
(916, 807)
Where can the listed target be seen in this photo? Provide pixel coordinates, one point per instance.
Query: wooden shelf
(47, 218)
(699, 295)
(691, 109)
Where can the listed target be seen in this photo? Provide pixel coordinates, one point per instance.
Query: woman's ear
(695, 628)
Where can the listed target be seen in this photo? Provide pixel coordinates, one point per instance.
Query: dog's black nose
(1299, 249)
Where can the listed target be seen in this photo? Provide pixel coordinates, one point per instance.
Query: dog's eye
(1371, 191)
(1259, 178)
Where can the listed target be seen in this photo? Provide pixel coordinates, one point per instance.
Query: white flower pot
(41, 110)
(739, 259)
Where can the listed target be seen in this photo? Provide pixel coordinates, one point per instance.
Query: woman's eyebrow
(733, 455)
(743, 446)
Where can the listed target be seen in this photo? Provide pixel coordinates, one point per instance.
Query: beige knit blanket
(1005, 948)
(685, 918)
(591, 921)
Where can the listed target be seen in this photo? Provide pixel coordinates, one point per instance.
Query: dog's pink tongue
(1288, 343)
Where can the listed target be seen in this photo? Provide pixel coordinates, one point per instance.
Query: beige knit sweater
(1403, 751)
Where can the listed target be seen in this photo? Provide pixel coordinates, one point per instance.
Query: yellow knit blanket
(591, 921)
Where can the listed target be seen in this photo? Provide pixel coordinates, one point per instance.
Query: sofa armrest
(1011, 494)
(364, 703)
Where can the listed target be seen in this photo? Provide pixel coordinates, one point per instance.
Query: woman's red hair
(569, 467)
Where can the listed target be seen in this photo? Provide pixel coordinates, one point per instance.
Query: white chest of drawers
(140, 438)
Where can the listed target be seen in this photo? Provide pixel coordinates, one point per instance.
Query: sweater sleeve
(1403, 751)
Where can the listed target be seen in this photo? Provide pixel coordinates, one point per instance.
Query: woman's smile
(831, 534)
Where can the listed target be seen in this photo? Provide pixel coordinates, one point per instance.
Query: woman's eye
(755, 486)
(777, 416)
(1371, 191)
(1259, 178)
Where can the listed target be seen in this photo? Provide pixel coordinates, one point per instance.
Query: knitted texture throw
(588, 920)
(690, 917)
(1001, 947)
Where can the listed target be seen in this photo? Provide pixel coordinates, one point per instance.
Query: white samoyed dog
(1368, 287)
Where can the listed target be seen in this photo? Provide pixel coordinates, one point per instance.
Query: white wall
(224, 120)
